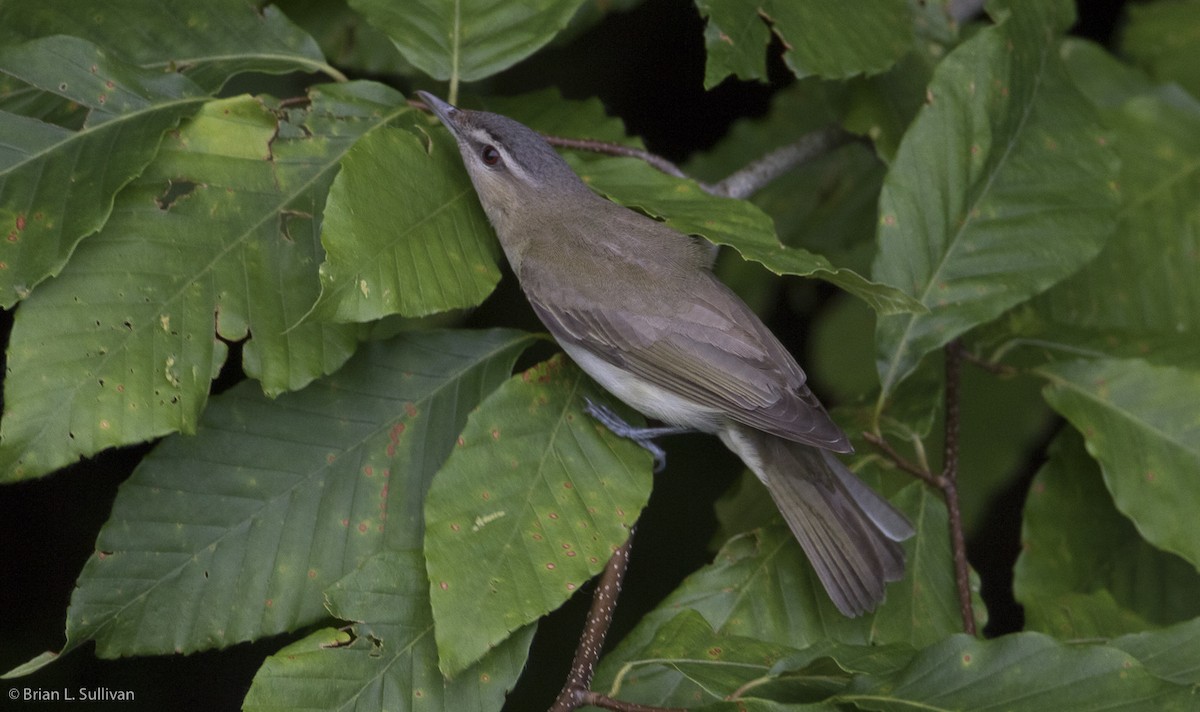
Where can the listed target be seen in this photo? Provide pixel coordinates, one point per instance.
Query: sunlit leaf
(236, 533)
(403, 232)
(531, 504)
(218, 236)
(56, 185)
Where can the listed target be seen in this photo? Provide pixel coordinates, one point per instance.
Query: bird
(635, 304)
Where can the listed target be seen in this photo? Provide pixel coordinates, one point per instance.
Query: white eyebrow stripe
(483, 137)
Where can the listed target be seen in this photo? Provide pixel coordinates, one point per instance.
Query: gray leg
(642, 436)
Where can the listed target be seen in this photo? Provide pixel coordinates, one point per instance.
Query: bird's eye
(489, 155)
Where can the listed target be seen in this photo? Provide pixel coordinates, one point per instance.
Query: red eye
(490, 155)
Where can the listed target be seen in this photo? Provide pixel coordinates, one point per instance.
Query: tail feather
(850, 534)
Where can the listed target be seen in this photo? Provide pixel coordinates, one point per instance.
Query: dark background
(647, 66)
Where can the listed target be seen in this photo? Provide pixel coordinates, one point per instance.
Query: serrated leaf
(1026, 671)
(726, 221)
(819, 38)
(1142, 424)
(530, 505)
(121, 348)
(403, 232)
(466, 40)
(209, 42)
(1160, 37)
(761, 586)
(388, 661)
(1084, 572)
(1003, 186)
(56, 185)
(234, 534)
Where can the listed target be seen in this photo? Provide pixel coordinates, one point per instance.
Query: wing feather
(715, 352)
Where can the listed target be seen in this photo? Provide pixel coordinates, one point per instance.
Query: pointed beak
(445, 112)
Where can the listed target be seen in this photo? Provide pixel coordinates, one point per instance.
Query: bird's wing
(714, 351)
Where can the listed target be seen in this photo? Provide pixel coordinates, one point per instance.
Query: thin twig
(595, 699)
(900, 461)
(616, 149)
(749, 180)
(999, 369)
(740, 184)
(604, 602)
(954, 352)
(947, 481)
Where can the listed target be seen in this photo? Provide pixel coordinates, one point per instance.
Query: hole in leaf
(176, 190)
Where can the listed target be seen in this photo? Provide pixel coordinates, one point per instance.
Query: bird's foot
(642, 436)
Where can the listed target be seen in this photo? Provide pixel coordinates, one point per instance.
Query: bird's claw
(617, 426)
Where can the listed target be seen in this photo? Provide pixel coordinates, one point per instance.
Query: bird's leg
(642, 436)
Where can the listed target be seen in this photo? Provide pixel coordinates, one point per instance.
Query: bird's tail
(850, 534)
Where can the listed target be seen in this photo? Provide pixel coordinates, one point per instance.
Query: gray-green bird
(634, 303)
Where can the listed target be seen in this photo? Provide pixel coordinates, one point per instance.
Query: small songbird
(635, 304)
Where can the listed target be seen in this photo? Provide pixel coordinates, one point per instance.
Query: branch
(741, 183)
(749, 180)
(947, 481)
(576, 691)
(616, 149)
(954, 353)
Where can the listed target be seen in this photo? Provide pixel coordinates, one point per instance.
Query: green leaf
(818, 37)
(1142, 424)
(209, 42)
(1025, 671)
(1160, 37)
(120, 347)
(717, 664)
(762, 587)
(1002, 187)
(726, 221)
(1084, 572)
(1139, 298)
(530, 505)
(57, 186)
(718, 667)
(234, 534)
(466, 40)
(388, 661)
(346, 38)
(403, 232)
(1172, 653)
